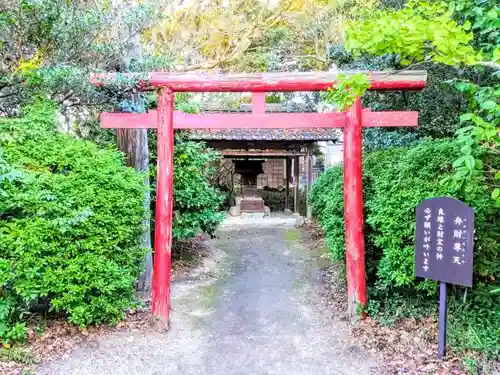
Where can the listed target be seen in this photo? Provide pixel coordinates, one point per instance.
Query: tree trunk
(134, 144)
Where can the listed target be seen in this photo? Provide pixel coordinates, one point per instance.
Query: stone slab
(252, 204)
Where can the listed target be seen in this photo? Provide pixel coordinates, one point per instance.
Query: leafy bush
(275, 198)
(398, 188)
(380, 139)
(70, 214)
(395, 182)
(196, 203)
(327, 199)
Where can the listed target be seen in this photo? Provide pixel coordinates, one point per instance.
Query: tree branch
(66, 96)
(6, 95)
(489, 64)
(245, 42)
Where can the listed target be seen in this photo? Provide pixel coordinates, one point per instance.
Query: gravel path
(252, 311)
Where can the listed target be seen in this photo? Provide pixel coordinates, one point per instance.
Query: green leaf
(466, 117)
(469, 162)
(488, 104)
(462, 172)
(457, 163)
(495, 193)
(463, 86)
(466, 149)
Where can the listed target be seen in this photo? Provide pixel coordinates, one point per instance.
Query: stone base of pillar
(249, 205)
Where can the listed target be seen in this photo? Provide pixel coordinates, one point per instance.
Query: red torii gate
(165, 120)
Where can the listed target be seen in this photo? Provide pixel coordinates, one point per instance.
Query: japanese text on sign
(444, 241)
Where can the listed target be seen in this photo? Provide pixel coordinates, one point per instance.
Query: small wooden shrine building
(250, 148)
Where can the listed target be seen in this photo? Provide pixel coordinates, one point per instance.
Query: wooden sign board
(445, 241)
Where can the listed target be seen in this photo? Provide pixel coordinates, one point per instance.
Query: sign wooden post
(444, 249)
(443, 307)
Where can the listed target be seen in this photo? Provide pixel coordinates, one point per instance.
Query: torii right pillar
(353, 208)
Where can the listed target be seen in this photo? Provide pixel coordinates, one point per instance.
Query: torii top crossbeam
(165, 121)
(268, 82)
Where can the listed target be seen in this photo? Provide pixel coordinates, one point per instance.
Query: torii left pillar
(164, 208)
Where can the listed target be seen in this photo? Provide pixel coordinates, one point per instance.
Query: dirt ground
(254, 307)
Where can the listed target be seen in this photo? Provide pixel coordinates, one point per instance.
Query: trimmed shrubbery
(70, 218)
(395, 182)
(70, 214)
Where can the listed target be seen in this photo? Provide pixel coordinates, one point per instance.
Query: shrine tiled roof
(255, 134)
(265, 134)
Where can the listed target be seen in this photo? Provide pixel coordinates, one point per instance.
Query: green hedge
(395, 181)
(70, 214)
(197, 204)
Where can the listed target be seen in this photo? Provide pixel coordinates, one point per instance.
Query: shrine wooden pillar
(288, 164)
(309, 184)
(296, 187)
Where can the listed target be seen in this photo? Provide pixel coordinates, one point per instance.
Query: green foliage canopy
(420, 31)
(49, 47)
(439, 32)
